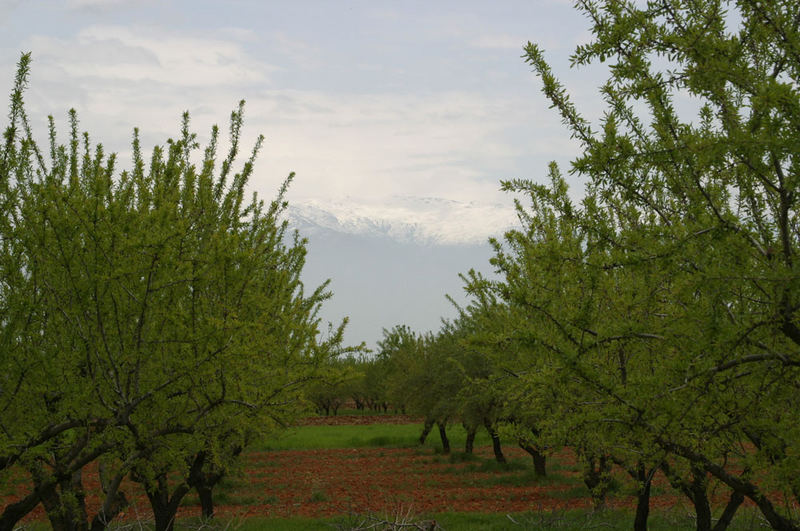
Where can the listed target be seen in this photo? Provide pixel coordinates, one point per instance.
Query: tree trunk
(470, 444)
(206, 501)
(204, 476)
(498, 449)
(539, 459)
(110, 511)
(695, 490)
(426, 429)
(644, 480)
(443, 435)
(114, 503)
(730, 509)
(642, 507)
(702, 506)
(64, 502)
(596, 478)
(738, 484)
(14, 512)
(164, 506)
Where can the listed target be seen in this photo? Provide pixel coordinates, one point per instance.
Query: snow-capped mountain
(425, 220)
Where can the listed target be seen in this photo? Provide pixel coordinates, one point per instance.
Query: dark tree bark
(64, 502)
(426, 429)
(206, 495)
(204, 476)
(470, 443)
(443, 434)
(596, 478)
(737, 483)
(14, 512)
(696, 489)
(118, 501)
(496, 447)
(730, 509)
(115, 500)
(642, 507)
(644, 480)
(539, 459)
(164, 506)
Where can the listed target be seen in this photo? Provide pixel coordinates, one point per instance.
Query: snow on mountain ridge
(427, 220)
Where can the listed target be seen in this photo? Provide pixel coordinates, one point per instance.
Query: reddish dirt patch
(334, 482)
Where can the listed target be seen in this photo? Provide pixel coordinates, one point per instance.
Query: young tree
(153, 319)
(698, 217)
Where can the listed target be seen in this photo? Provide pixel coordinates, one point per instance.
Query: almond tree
(154, 320)
(704, 217)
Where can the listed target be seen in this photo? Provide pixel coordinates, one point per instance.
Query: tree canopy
(152, 319)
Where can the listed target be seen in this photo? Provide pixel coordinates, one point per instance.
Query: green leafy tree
(669, 300)
(153, 320)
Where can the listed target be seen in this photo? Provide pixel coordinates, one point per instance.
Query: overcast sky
(372, 103)
(365, 99)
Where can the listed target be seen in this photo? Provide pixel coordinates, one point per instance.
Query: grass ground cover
(364, 436)
(570, 520)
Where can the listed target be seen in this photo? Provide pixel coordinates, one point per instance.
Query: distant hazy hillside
(425, 220)
(387, 272)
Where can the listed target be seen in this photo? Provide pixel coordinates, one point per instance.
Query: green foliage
(655, 325)
(338, 380)
(154, 319)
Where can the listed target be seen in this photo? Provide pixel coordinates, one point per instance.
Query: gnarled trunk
(644, 480)
(426, 429)
(115, 500)
(164, 506)
(469, 445)
(443, 435)
(64, 502)
(539, 459)
(204, 476)
(596, 476)
(496, 447)
(696, 489)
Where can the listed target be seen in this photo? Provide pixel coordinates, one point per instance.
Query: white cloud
(448, 145)
(138, 54)
(451, 144)
(102, 4)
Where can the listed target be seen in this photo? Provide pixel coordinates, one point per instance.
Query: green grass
(365, 436)
(747, 519)
(365, 413)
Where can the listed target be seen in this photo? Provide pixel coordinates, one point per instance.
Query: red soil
(340, 420)
(378, 480)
